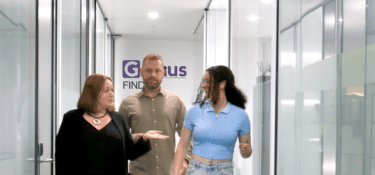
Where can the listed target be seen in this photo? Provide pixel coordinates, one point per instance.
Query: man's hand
(184, 167)
(154, 135)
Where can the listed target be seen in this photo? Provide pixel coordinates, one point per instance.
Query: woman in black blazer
(94, 139)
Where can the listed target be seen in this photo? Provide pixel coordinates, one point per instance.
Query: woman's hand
(154, 135)
(245, 145)
(137, 136)
(245, 148)
(179, 157)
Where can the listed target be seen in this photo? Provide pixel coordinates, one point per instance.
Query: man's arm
(123, 111)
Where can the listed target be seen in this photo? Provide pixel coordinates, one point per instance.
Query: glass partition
(253, 46)
(17, 87)
(325, 124)
(99, 42)
(370, 89)
(108, 55)
(218, 33)
(70, 55)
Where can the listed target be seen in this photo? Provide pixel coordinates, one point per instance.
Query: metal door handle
(45, 160)
(30, 159)
(41, 160)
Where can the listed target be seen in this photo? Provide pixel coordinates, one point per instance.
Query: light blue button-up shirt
(215, 137)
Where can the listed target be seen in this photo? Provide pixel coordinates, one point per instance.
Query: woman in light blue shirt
(215, 122)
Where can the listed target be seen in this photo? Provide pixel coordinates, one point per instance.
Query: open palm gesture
(154, 135)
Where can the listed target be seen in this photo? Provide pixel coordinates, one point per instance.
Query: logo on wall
(131, 69)
(175, 71)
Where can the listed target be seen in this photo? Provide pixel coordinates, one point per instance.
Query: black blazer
(67, 142)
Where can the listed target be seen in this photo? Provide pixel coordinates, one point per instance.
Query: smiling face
(152, 73)
(206, 85)
(106, 96)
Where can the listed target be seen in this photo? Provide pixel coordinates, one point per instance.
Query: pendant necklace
(96, 121)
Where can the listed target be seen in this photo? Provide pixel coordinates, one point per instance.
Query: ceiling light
(266, 1)
(153, 15)
(253, 18)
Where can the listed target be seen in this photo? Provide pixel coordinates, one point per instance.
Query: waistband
(205, 160)
(211, 165)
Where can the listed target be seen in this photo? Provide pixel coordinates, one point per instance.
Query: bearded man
(155, 109)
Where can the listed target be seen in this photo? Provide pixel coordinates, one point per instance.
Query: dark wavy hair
(217, 75)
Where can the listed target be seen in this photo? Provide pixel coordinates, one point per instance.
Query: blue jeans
(201, 168)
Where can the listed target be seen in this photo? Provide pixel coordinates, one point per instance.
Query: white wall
(174, 53)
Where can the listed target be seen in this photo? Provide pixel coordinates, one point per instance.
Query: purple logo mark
(131, 69)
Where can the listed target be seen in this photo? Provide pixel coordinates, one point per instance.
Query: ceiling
(178, 19)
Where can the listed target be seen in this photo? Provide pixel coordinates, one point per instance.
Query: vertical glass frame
(85, 64)
(91, 36)
(370, 89)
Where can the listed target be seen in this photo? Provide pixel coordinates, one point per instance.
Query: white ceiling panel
(177, 18)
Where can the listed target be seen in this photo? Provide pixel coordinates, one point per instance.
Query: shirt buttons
(156, 144)
(157, 156)
(152, 99)
(155, 121)
(153, 109)
(157, 167)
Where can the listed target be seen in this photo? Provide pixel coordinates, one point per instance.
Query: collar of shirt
(225, 110)
(142, 93)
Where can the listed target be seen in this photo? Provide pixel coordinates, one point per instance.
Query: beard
(153, 85)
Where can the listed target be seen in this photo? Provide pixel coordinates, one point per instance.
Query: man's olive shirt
(165, 112)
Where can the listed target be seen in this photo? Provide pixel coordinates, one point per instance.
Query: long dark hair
(217, 75)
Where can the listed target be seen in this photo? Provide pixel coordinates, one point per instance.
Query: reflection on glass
(370, 88)
(17, 87)
(252, 42)
(70, 55)
(100, 29)
(217, 33)
(324, 125)
(108, 57)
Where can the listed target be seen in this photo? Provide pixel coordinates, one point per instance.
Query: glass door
(18, 87)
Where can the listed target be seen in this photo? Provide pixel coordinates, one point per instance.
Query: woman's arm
(65, 150)
(181, 150)
(245, 145)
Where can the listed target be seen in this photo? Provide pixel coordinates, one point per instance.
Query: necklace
(96, 121)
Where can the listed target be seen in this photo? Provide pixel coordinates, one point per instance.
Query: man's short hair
(152, 57)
